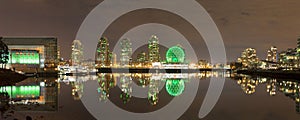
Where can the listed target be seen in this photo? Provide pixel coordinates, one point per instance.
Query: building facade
(77, 53)
(31, 51)
(272, 54)
(103, 54)
(126, 52)
(153, 49)
(289, 59)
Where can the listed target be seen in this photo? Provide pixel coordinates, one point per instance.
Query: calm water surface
(243, 97)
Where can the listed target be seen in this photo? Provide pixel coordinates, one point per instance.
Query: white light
(42, 84)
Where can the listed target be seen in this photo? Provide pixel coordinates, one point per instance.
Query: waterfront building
(77, 53)
(203, 64)
(89, 64)
(272, 54)
(59, 54)
(153, 49)
(30, 53)
(142, 59)
(248, 58)
(288, 59)
(175, 54)
(175, 58)
(103, 55)
(126, 52)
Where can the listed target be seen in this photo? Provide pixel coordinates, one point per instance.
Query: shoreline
(9, 77)
(272, 73)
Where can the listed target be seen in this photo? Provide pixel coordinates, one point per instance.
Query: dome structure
(175, 54)
(175, 87)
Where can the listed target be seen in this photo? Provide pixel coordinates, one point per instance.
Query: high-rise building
(142, 58)
(288, 59)
(272, 54)
(102, 57)
(77, 53)
(126, 52)
(248, 58)
(153, 47)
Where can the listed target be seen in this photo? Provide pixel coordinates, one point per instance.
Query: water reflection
(289, 88)
(140, 93)
(32, 94)
(121, 84)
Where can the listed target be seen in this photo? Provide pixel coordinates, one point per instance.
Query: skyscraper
(126, 52)
(153, 47)
(102, 57)
(272, 54)
(77, 53)
(248, 58)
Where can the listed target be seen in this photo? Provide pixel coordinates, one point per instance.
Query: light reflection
(175, 84)
(289, 88)
(126, 87)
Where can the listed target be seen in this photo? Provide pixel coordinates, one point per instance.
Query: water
(243, 97)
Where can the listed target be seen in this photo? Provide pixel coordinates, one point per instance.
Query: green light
(175, 54)
(175, 87)
(25, 57)
(25, 91)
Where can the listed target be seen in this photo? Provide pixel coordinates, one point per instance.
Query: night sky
(242, 23)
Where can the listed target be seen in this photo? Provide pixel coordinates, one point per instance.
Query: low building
(289, 59)
(31, 53)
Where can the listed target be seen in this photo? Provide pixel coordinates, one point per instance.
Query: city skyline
(149, 59)
(278, 25)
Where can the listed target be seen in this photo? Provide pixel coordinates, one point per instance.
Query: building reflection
(76, 82)
(126, 87)
(154, 89)
(248, 85)
(32, 94)
(290, 89)
(271, 87)
(143, 80)
(174, 84)
(106, 82)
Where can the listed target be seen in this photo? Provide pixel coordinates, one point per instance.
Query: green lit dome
(175, 87)
(175, 54)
